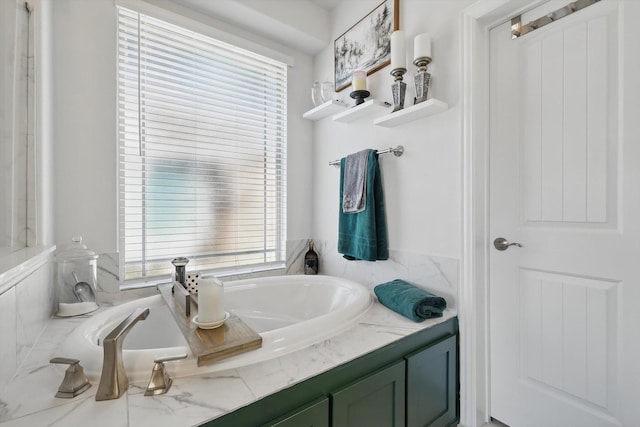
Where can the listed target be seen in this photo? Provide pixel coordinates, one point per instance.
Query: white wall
(422, 188)
(85, 120)
(44, 123)
(84, 98)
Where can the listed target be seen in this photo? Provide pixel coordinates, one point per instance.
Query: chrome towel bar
(398, 151)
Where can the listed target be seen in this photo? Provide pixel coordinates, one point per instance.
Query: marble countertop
(29, 399)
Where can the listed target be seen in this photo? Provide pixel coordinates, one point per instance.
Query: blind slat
(202, 136)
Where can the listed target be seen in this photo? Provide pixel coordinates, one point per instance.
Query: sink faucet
(114, 381)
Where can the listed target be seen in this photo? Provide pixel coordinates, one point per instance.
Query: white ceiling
(283, 21)
(326, 4)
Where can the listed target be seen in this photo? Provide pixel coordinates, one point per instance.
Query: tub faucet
(114, 381)
(180, 265)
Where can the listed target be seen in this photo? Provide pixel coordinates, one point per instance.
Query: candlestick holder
(398, 88)
(422, 79)
(360, 95)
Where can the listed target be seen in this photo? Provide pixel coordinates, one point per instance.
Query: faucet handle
(159, 383)
(75, 382)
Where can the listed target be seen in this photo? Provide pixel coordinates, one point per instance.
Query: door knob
(503, 244)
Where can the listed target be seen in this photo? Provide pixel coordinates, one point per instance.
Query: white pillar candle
(210, 293)
(422, 46)
(398, 55)
(359, 80)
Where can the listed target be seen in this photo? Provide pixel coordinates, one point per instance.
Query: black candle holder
(360, 95)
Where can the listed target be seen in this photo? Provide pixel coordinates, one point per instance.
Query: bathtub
(289, 312)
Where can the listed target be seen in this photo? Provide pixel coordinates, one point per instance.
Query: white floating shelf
(324, 110)
(408, 114)
(365, 109)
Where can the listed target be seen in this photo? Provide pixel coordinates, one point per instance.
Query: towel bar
(398, 151)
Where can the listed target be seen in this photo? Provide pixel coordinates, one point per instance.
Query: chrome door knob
(503, 244)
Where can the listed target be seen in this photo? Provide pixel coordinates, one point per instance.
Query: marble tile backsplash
(26, 307)
(438, 275)
(108, 283)
(24, 311)
(8, 349)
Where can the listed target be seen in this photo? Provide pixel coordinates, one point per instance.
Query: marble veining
(112, 413)
(16, 266)
(29, 400)
(435, 274)
(36, 371)
(274, 375)
(8, 354)
(34, 306)
(26, 303)
(189, 401)
(17, 120)
(295, 256)
(25, 307)
(108, 279)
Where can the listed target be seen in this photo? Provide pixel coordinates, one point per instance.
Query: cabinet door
(432, 385)
(375, 400)
(315, 414)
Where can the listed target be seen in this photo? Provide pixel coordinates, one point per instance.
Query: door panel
(565, 132)
(568, 334)
(555, 188)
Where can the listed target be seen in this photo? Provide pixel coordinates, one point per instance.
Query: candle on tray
(359, 80)
(210, 293)
(398, 56)
(422, 46)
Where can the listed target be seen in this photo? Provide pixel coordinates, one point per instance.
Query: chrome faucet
(114, 381)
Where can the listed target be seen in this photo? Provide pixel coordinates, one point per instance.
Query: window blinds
(202, 160)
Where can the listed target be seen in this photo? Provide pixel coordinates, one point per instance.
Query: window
(202, 159)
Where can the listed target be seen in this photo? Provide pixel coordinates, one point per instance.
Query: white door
(564, 307)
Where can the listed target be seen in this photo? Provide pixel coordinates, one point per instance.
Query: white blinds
(202, 134)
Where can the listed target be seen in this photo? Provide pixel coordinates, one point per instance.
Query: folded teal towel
(410, 301)
(363, 235)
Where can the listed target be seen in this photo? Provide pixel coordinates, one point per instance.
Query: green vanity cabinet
(432, 378)
(408, 383)
(316, 414)
(376, 400)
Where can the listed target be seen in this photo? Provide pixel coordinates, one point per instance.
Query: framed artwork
(367, 45)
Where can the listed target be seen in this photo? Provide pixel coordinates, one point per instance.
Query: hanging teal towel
(410, 301)
(363, 235)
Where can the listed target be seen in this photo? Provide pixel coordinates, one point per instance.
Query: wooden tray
(211, 345)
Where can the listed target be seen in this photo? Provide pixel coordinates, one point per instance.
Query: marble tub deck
(29, 400)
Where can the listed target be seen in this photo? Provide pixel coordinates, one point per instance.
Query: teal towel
(414, 303)
(363, 235)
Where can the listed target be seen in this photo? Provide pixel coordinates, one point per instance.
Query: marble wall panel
(7, 337)
(108, 273)
(34, 307)
(438, 275)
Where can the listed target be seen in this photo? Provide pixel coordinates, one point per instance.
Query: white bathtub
(289, 312)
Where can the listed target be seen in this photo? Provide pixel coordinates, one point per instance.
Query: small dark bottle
(311, 260)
